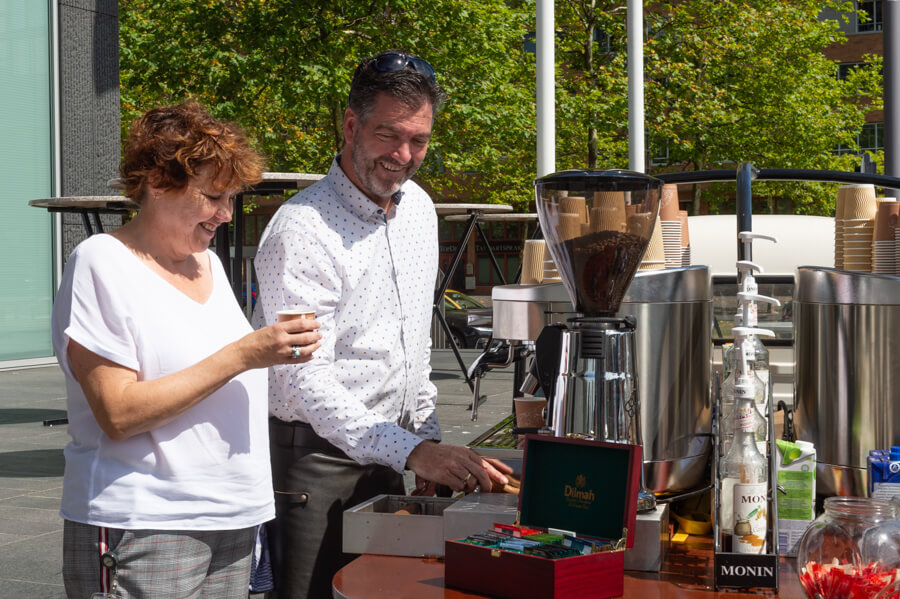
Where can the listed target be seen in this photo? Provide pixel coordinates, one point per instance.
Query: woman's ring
(295, 352)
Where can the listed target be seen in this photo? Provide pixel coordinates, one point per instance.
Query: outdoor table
(271, 184)
(471, 213)
(503, 218)
(88, 207)
(686, 574)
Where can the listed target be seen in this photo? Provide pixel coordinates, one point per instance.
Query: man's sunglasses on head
(391, 62)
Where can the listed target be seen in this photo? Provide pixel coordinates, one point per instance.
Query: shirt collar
(355, 200)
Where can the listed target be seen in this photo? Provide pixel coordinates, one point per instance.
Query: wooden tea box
(587, 487)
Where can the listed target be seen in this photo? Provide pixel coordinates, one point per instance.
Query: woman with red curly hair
(167, 474)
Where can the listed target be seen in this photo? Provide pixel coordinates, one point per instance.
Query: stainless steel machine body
(673, 310)
(602, 367)
(847, 371)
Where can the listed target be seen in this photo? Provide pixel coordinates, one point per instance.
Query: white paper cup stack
(897, 251)
(550, 274)
(655, 256)
(685, 238)
(884, 246)
(533, 262)
(854, 227)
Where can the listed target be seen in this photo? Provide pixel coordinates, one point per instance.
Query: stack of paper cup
(884, 259)
(897, 251)
(671, 225)
(608, 212)
(639, 224)
(533, 262)
(655, 256)
(574, 205)
(570, 225)
(854, 227)
(550, 274)
(685, 238)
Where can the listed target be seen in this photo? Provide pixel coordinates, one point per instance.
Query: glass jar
(852, 550)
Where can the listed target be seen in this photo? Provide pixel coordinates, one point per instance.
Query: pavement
(31, 461)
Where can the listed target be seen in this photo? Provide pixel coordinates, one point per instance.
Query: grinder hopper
(597, 225)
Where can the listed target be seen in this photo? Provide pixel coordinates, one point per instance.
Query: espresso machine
(597, 225)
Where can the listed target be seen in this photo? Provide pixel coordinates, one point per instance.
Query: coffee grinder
(597, 225)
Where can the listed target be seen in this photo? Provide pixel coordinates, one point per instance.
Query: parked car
(470, 322)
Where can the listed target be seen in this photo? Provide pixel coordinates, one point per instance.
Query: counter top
(687, 574)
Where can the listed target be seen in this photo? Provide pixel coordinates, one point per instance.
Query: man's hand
(457, 467)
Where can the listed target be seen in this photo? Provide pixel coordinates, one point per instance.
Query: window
(26, 169)
(874, 19)
(603, 41)
(870, 139)
(660, 155)
(778, 319)
(844, 69)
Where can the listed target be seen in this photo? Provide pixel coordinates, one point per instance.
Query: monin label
(750, 518)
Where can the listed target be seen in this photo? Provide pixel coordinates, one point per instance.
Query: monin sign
(742, 570)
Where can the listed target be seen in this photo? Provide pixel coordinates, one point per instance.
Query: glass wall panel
(26, 161)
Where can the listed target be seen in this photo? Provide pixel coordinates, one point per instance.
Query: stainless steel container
(522, 311)
(847, 371)
(673, 308)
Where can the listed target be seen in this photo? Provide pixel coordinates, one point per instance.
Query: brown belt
(300, 434)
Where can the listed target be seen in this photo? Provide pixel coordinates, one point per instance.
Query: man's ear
(351, 123)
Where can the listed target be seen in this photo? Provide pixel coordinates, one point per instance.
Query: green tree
(282, 69)
(726, 81)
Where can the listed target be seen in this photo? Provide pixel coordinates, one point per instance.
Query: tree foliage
(282, 69)
(726, 81)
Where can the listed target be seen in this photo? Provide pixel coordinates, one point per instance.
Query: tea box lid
(587, 487)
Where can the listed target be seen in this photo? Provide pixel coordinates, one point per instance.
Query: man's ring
(466, 479)
(295, 352)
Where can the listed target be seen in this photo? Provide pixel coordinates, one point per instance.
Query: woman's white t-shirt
(206, 470)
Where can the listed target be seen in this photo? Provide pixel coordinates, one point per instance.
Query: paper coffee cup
(294, 313)
(668, 204)
(530, 412)
(533, 262)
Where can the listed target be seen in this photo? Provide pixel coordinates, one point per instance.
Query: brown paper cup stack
(533, 262)
(855, 210)
(671, 225)
(569, 225)
(685, 238)
(608, 218)
(668, 202)
(884, 260)
(655, 256)
(858, 202)
(574, 205)
(639, 224)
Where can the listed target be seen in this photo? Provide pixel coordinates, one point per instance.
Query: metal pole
(546, 86)
(891, 33)
(745, 175)
(635, 28)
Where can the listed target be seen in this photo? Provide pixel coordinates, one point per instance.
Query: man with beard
(359, 248)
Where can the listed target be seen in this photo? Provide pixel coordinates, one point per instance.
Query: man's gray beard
(366, 173)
